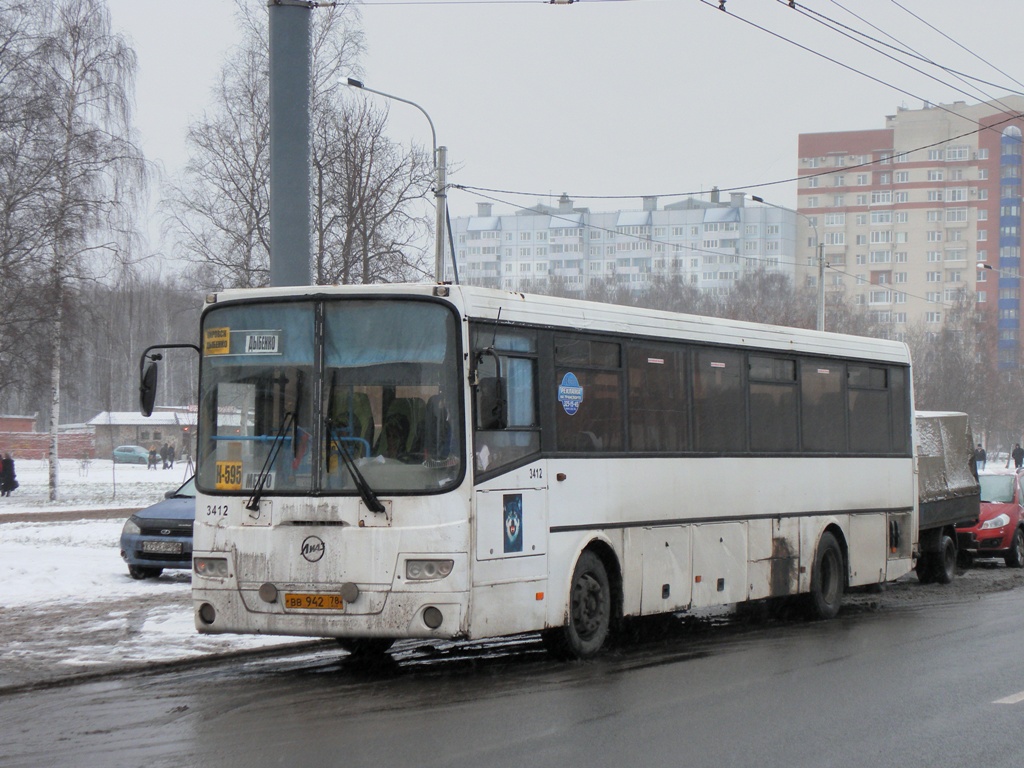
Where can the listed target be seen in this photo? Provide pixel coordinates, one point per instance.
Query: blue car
(160, 536)
(131, 454)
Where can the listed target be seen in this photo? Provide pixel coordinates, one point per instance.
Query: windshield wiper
(365, 491)
(253, 505)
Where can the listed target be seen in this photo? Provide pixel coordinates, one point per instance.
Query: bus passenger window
(719, 407)
(658, 409)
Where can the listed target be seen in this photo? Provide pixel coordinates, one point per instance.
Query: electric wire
(968, 50)
(903, 49)
(831, 59)
(882, 160)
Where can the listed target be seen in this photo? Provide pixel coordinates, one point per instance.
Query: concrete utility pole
(289, 142)
(441, 182)
(819, 251)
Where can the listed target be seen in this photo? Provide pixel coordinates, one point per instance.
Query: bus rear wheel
(589, 615)
(827, 582)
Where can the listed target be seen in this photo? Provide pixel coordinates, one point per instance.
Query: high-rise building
(707, 244)
(919, 215)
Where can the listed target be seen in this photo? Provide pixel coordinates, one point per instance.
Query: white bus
(432, 461)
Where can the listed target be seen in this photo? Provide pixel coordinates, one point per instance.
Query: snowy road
(67, 604)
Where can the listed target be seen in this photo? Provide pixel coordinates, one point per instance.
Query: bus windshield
(371, 390)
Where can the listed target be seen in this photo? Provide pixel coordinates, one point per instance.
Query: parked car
(160, 536)
(131, 454)
(999, 531)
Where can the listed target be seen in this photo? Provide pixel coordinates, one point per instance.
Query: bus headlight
(213, 567)
(424, 570)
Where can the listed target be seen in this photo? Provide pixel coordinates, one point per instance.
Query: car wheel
(827, 582)
(1015, 556)
(944, 561)
(589, 612)
(138, 572)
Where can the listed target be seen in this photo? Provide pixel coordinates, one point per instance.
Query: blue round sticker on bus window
(570, 393)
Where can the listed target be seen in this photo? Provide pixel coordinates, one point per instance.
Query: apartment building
(709, 244)
(919, 215)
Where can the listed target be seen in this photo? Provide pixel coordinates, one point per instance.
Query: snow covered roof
(722, 214)
(136, 419)
(633, 219)
(484, 223)
(566, 221)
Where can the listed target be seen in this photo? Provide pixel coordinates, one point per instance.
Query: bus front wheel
(589, 614)
(827, 582)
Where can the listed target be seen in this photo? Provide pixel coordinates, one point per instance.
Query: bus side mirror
(492, 405)
(147, 389)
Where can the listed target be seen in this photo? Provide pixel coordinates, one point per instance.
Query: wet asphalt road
(900, 683)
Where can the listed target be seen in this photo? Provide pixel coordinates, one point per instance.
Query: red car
(1000, 528)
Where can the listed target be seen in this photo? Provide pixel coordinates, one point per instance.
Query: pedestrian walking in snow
(8, 480)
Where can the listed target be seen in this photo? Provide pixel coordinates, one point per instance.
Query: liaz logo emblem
(313, 548)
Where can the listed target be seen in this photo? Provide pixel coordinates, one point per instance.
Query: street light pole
(819, 250)
(440, 156)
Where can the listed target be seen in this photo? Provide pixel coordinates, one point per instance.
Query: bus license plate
(162, 547)
(306, 601)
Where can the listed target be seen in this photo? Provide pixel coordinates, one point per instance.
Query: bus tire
(827, 581)
(944, 561)
(589, 612)
(366, 647)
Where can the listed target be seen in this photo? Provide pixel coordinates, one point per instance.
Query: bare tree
(365, 190)
(87, 73)
(364, 187)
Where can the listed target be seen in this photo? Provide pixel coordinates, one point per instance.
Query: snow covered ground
(67, 603)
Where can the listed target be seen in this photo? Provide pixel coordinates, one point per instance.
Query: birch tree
(87, 72)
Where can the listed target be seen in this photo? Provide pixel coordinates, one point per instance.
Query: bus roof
(576, 314)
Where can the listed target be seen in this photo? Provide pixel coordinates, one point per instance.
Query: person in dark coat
(8, 480)
(1018, 455)
(980, 457)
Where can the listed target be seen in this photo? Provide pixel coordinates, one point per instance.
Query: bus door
(510, 515)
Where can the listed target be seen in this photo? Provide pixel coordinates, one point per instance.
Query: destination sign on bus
(217, 341)
(262, 344)
(229, 476)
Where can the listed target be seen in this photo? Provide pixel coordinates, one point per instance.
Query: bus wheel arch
(829, 576)
(593, 611)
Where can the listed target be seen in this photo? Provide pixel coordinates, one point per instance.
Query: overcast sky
(605, 97)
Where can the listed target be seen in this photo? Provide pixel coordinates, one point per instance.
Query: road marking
(1017, 698)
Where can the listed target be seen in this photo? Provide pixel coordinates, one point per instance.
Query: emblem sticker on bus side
(570, 393)
(513, 506)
